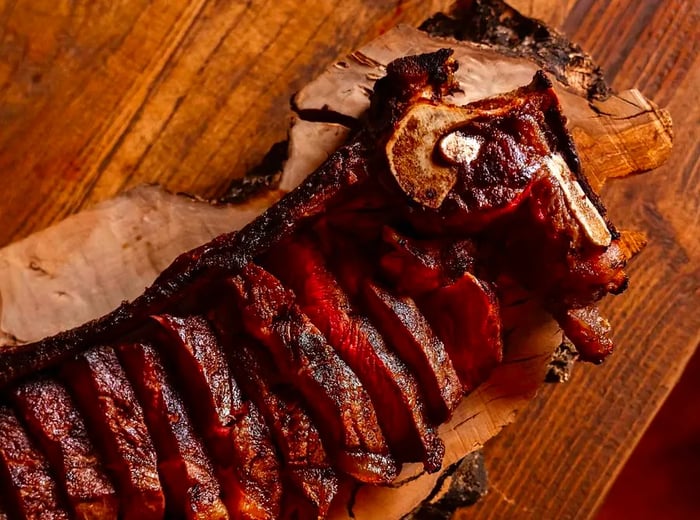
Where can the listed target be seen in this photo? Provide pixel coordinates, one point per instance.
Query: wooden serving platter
(44, 261)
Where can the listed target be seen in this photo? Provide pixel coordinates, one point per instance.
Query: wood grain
(97, 96)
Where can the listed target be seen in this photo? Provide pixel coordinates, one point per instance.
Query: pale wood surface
(98, 96)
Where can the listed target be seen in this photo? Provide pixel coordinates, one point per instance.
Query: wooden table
(97, 96)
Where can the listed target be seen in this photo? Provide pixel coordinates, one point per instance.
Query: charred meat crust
(29, 488)
(392, 387)
(401, 321)
(311, 480)
(407, 79)
(188, 476)
(115, 419)
(224, 255)
(425, 76)
(334, 394)
(60, 432)
(529, 186)
(242, 452)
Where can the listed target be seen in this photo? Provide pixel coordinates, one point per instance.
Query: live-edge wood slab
(98, 96)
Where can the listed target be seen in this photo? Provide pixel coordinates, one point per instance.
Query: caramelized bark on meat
(514, 136)
(114, 416)
(28, 485)
(465, 316)
(462, 309)
(391, 386)
(409, 333)
(306, 466)
(334, 394)
(587, 330)
(566, 267)
(196, 268)
(56, 424)
(187, 473)
(239, 440)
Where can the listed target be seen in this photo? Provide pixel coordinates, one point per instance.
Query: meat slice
(188, 476)
(587, 330)
(56, 424)
(390, 384)
(400, 322)
(415, 267)
(114, 416)
(465, 316)
(307, 468)
(407, 330)
(340, 404)
(235, 432)
(29, 488)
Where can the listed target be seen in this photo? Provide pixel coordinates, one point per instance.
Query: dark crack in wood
(461, 485)
(263, 176)
(325, 116)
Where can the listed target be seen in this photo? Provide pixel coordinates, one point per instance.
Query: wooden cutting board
(101, 96)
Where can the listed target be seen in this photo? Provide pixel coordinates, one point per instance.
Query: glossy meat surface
(465, 316)
(60, 432)
(187, 473)
(341, 363)
(333, 392)
(28, 485)
(391, 386)
(311, 480)
(410, 334)
(115, 418)
(242, 452)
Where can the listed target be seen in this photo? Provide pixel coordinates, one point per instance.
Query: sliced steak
(340, 404)
(29, 488)
(465, 316)
(407, 330)
(187, 473)
(414, 266)
(239, 440)
(115, 418)
(56, 424)
(398, 319)
(462, 309)
(390, 384)
(307, 468)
